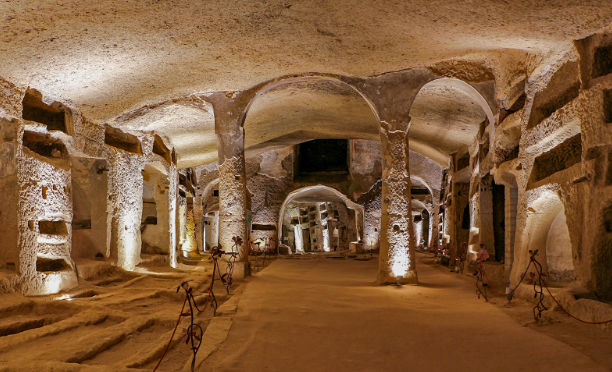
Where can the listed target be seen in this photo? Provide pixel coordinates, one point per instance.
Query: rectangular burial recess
(559, 158)
(159, 148)
(463, 161)
(419, 191)
(34, 109)
(602, 61)
(123, 141)
(257, 226)
(51, 264)
(45, 145)
(53, 227)
(607, 106)
(563, 88)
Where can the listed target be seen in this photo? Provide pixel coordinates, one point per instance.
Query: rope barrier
(171, 337)
(515, 288)
(191, 331)
(565, 311)
(539, 308)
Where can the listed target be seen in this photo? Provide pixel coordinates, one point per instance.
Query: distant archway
(320, 192)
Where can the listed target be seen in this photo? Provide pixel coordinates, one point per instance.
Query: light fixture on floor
(398, 280)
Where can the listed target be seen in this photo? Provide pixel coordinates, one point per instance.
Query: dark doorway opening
(499, 228)
(324, 156)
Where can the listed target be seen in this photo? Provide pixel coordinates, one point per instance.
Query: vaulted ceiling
(109, 58)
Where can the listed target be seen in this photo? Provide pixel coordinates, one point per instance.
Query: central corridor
(328, 315)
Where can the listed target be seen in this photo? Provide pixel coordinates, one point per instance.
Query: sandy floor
(301, 313)
(118, 322)
(327, 315)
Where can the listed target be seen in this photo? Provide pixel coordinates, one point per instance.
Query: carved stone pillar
(396, 252)
(229, 112)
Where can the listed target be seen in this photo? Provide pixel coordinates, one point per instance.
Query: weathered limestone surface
(396, 253)
(125, 207)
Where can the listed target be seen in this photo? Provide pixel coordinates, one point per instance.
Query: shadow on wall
(602, 263)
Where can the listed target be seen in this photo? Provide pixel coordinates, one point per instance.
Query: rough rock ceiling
(444, 119)
(109, 57)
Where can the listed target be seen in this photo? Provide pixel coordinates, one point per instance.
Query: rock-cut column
(396, 252)
(232, 179)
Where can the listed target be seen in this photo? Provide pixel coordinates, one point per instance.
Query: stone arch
(285, 80)
(432, 223)
(467, 89)
(475, 92)
(323, 190)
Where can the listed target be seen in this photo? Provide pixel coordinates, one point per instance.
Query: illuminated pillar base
(410, 277)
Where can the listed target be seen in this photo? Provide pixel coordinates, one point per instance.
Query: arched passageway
(319, 219)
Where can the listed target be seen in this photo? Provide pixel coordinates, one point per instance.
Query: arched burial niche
(318, 218)
(547, 232)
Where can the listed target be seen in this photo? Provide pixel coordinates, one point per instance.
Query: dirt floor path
(328, 315)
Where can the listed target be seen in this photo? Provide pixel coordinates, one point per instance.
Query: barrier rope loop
(538, 283)
(514, 289)
(193, 333)
(543, 282)
(478, 273)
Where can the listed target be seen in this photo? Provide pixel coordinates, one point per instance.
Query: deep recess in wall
(548, 109)
(160, 149)
(124, 141)
(45, 145)
(602, 61)
(323, 156)
(559, 158)
(463, 161)
(607, 106)
(563, 88)
(257, 226)
(51, 265)
(419, 191)
(499, 228)
(53, 227)
(465, 220)
(602, 264)
(34, 109)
